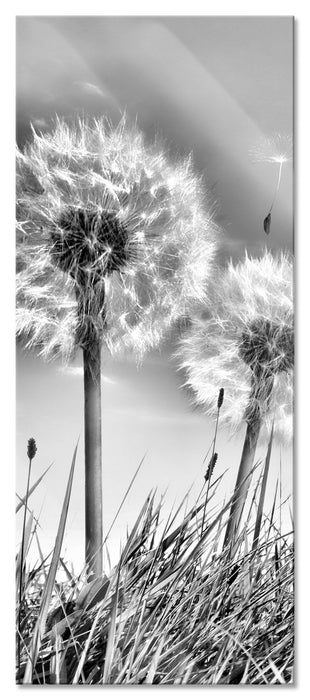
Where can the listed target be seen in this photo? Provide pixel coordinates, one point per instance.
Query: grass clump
(178, 608)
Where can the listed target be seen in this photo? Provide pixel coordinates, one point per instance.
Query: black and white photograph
(155, 313)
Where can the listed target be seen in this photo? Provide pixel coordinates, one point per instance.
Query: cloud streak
(92, 89)
(72, 371)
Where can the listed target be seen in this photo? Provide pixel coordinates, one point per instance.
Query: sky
(220, 88)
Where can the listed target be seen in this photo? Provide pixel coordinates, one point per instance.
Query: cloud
(40, 122)
(107, 380)
(156, 417)
(92, 89)
(73, 371)
(78, 372)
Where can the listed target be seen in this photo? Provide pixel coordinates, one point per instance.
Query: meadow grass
(178, 608)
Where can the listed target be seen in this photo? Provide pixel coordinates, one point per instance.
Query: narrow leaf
(22, 500)
(26, 544)
(124, 498)
(154, 662)
(111, 636)
(47, 593)
(93, 592)
(131, 539)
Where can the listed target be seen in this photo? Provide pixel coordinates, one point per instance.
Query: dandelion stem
(242, 483)
(93, 459)
(259, 401)
(262, 494)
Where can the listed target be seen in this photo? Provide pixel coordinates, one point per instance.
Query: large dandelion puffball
(114, 241)
(243, 341)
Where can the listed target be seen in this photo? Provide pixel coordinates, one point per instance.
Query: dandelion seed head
(243, 341)
(114, 235)
(89, 243)
(267, 347)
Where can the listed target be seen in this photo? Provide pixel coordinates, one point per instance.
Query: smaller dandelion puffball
(243, 341)
(114, 241)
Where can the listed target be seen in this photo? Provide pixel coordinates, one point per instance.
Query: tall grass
(176, 609)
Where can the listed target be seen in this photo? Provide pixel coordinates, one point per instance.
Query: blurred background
(221, 88)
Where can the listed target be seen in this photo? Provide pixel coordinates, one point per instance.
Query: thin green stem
(209, 478)
(21, 569)
(277, 187)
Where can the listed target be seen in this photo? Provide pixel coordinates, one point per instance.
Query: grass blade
(111, 636)
(124, 497)
(154, 663)
(24, 547)
(23, 500)
(47, 593)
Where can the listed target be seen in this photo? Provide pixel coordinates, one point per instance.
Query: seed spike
(210, 467)
(220, 399)
(31, 448)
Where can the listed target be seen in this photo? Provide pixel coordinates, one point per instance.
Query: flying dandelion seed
(277, 149)
(244, 341)
(114, 242)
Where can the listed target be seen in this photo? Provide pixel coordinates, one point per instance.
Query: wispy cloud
(92, 89)
(156, 417)
(237, 246)
(40, 122)
(78, 372)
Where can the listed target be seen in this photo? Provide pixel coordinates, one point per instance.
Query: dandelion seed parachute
(277, 148)
(243, 341)
(114, 242)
